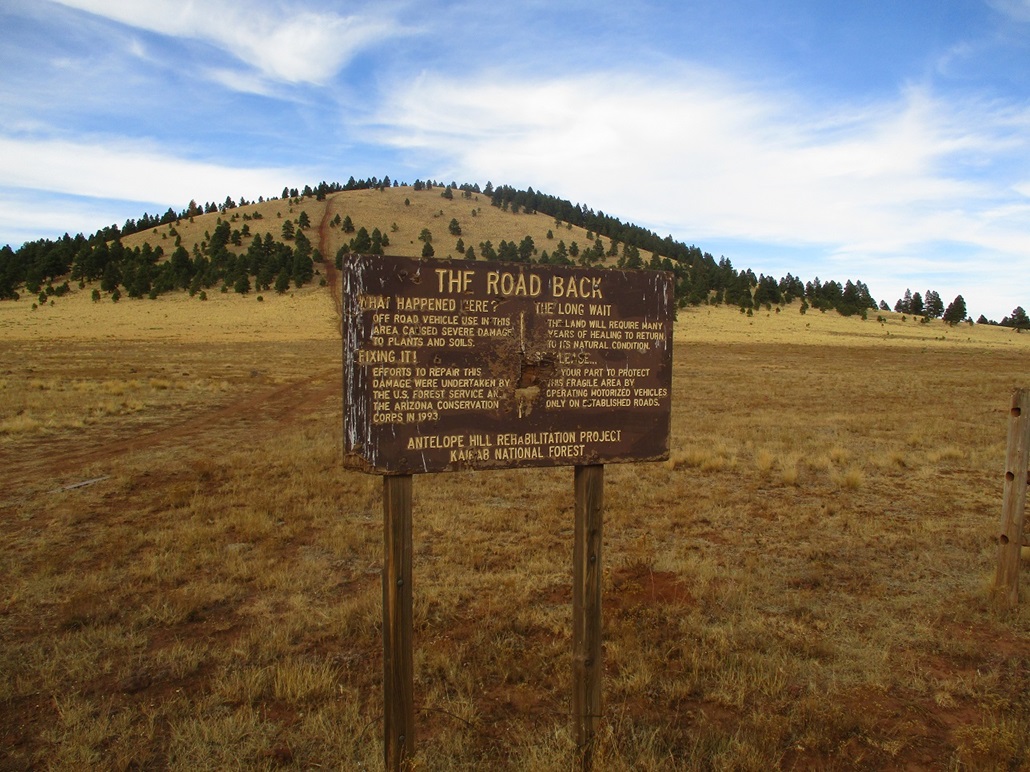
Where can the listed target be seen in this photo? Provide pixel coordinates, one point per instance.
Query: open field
(803, 585)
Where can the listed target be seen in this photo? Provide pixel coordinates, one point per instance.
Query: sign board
(453, 365)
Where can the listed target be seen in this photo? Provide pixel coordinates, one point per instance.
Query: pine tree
(956, 311)
(1017, 319)
(526, 249)
(904, 305)
(361, 243)
(934, 305)
(282, 282)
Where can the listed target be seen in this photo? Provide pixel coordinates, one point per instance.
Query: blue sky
(882, 141)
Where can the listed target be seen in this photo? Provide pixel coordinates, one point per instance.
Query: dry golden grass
(302, 314)
(803, 585)
(386, 210)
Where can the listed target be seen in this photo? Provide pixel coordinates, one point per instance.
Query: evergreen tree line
(930, 306)
(267, 264)
(699, 277)
(362, 242)
(319, 192)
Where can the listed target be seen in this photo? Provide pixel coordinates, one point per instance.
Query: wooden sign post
(586, 609)
(463, 365)
(398, 670)
(1013, 510)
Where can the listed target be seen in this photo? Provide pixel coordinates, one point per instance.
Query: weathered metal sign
(455, 364)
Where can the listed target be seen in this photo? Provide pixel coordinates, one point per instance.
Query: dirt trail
(277, 406)
(332, 276)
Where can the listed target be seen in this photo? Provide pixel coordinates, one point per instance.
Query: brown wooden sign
(454, 365)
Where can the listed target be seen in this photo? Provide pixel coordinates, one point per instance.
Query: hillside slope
(400, 213)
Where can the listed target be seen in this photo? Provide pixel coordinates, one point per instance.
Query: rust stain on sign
(453, 365)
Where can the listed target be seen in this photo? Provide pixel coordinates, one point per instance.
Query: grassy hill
(202, 251)
(400, 212)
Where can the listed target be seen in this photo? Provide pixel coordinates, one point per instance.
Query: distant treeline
(142, 272)
(700, 278)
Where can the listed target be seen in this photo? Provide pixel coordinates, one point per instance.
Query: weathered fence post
(1013, 510)
(586, 609)
(398, 676)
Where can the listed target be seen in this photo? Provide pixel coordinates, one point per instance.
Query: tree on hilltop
(1017, 319)
(934, 306)
(917, 308)
(956, 311)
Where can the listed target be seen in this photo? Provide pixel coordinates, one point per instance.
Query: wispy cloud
(281, 42)
(1019, 10)
(25, 216)
(715, 157)
(705, 157)
(131, 171)
(807, 136)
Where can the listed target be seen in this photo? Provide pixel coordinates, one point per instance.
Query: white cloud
(241, 81)
(708, 158)
(282, 43)
(26, 218)
(128, 171)
(1019, 10)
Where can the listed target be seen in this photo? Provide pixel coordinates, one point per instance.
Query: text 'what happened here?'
(453, 365)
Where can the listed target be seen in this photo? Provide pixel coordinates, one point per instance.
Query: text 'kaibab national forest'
(454, 365)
